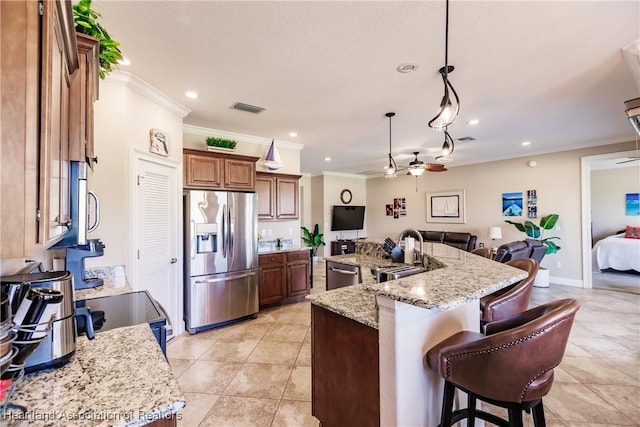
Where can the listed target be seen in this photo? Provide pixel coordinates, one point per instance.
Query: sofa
(464, 241)
(529, 248)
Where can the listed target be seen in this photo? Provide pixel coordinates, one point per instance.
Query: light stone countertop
(115, 283)
(455, 277)
(275, 250)
(120, 378)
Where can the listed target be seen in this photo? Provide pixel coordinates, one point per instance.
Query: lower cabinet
(284, 277)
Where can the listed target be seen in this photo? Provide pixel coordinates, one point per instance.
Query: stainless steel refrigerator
(221, 257)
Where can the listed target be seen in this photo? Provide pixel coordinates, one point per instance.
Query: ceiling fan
(416, 167)
(631, 158)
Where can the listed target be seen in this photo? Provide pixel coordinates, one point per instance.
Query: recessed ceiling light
(124, 61)
(192, 95)
(293, 134)
(524, 143)
(327, 159)
(406, 68)
(473, 122)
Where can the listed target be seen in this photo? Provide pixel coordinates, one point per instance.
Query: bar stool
(511, 366)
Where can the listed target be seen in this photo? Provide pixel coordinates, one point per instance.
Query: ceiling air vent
(247, 107)
(466, 139)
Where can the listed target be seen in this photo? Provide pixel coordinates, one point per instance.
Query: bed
(618, 253)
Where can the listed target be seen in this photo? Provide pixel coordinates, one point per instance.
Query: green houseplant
(221, 142)
(86, 21)
(313, 239)
(533, 231)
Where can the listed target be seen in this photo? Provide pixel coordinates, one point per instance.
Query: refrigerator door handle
(224, 231)
(231, 221)
(225, 279)
(193, 239)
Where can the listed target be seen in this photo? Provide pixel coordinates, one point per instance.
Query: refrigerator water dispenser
(206, 238)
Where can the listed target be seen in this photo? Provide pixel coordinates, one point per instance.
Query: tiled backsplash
(284, 243)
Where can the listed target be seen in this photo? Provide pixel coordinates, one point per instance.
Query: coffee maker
(75, 263)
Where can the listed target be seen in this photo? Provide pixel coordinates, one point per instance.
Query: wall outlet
(481, 245)
(558, 264)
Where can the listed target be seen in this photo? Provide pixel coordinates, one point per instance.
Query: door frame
(586, 163)
(138, 154)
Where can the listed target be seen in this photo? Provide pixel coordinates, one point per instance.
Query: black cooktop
(129, 309)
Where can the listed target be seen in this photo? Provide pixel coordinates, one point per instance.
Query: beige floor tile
(574, 350)
(198, 405)
(231, 411)
(230, 351)
(604, 348)
(299, 386)
(286, 332)
(625, 398)
(307, 338)
(189, 347)
(207, 376)
(577, 403)
(247, 331)
(588, 370)
(304, 356)
(259, 380)
(295, 318)
(294, 414)
(560, 375)
(277, 353)
(178, 366)
(631, 368)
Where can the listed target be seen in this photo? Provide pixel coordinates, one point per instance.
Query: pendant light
(416, 167)
(392, 168)
(447, 148)
(448, 110)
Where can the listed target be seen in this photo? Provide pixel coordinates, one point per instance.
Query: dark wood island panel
(345, 370)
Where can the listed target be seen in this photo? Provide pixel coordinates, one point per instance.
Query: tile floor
(257, 372)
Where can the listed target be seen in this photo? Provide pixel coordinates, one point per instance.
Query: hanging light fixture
(392, 168)
(448, 110)
(447, 148)
(416, 167)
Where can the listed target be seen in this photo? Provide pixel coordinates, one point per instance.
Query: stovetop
(126, 310)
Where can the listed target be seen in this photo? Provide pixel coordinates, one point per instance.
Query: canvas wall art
(632, 204)
(512, 204)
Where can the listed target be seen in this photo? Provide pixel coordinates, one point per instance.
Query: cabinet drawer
(267, 259)
(299, 255)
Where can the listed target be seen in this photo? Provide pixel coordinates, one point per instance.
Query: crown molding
(138, 85)
(259, 140)
(344, 175)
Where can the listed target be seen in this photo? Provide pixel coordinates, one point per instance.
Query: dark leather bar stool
(511, 366)
(483, 252)
(511, 300)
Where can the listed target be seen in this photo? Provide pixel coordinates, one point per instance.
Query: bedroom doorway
(588, 164)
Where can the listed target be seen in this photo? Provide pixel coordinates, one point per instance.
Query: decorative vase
(542, 278)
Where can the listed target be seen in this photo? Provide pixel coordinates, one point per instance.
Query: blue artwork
(512, 204)
(633, 204)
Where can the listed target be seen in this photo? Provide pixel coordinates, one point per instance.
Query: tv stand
(341, 247)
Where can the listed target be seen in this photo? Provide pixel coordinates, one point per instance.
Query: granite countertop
(115, 283)
(455, 277)
(276, 250)
(120, 378)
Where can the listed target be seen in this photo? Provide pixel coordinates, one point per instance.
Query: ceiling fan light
(416, 171)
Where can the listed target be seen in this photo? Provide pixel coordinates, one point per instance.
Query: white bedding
(618, 253)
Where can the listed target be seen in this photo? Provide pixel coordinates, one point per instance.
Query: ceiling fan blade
(631, 159)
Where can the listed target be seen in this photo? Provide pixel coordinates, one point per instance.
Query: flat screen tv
(347, 218)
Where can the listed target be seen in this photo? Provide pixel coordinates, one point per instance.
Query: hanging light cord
(446, 42)
(391, 161)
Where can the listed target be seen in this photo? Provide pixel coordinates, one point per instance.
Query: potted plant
(221, 143)
(313, 240)
(536, 232)
(86, 22)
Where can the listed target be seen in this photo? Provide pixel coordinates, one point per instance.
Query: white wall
(608, 190)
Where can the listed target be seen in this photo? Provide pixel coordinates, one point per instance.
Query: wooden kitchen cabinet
(39, 55)
(219, 171)
(83, 93)
(284, 277)
(278, 196)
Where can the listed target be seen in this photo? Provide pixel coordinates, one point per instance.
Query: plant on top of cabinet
(86, 20)
(229, 144)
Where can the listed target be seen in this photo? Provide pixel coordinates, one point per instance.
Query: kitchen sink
(393, 273)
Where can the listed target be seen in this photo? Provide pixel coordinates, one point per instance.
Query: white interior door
(157, 269)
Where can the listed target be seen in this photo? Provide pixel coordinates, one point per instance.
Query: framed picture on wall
(159, 143)
(446, 207)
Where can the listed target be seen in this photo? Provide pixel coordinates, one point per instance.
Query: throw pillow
(632, 232)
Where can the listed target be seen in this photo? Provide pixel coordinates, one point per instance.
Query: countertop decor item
(86, 20)
(313, 239)
(533, 231)
(221, 143)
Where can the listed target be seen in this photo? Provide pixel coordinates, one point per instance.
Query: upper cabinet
(39, 56)
(84, 92)
(278, 196)
(219, 171)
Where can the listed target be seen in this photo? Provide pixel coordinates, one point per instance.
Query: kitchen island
(120, 378)
(399, 321)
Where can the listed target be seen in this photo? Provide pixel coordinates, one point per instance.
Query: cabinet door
(202, 171)
(298, 278)
(265, 190)
(239, 174)
(59, 60)
(272, 284)
(287, 198)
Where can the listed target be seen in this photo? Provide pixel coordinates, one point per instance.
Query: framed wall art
(446, 207)
(159, 143)
(632, 204)
(512, 204)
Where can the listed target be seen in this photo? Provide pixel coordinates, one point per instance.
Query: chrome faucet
(416, 233)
